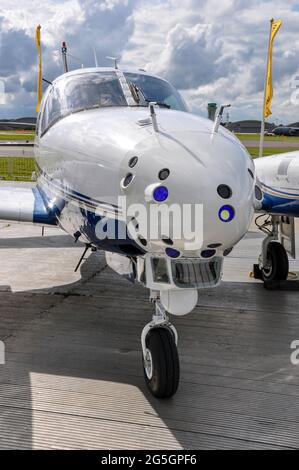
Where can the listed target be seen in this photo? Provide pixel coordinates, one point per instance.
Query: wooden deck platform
(73, 377)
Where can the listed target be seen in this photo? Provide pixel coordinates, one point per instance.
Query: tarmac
(14, 150)
(73, 377)
(292, 145)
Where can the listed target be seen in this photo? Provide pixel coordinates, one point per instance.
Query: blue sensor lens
(226, 213)
(172, 253)
(160, 194)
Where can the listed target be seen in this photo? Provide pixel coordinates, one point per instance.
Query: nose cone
(196, 169)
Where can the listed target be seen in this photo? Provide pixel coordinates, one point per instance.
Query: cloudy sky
(211, 50)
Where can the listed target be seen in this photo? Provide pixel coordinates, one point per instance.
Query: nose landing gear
(160, 356)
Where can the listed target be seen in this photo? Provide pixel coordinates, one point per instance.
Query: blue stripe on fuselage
(42, 213)
(119, 242)
(280, 205)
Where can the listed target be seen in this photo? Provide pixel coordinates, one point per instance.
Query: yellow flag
(40, 76)
(275, 25)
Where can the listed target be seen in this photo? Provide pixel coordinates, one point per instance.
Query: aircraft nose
(204, 179)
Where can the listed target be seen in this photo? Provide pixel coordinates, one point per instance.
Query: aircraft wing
(22, 204)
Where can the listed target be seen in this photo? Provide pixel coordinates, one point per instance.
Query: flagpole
(265, 90)
(39, 74)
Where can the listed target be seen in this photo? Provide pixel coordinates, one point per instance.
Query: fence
(16, 168)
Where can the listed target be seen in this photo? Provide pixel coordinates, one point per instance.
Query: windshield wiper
(162, 105)
(158, 103)
(136, 93)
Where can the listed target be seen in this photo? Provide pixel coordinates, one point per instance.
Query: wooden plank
(73, 377)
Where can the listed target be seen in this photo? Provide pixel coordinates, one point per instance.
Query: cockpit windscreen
(84, 91)
(80, 92)
(155, 89)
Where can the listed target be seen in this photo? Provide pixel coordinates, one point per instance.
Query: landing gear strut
(273, 263)
(160, 356)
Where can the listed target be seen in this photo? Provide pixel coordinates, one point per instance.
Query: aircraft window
(155, 89)
(81, 92)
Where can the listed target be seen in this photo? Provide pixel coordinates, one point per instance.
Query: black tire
(279, 263)
(164, 380)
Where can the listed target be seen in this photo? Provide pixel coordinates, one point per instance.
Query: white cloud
(218, 51)
(213, 51)
(56, 17)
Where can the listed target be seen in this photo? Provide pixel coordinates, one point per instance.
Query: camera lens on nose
(127, 179)
(226, 213)
(224, 191)
(208, 253)
(163, 174)
(133, 161)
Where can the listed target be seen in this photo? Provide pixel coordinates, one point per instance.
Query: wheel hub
(148, 364)
(268, 268)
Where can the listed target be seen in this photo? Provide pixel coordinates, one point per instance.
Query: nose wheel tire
(277, 263)
(161, 363)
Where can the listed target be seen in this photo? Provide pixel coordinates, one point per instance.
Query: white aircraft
(106, 135)
(278, 191)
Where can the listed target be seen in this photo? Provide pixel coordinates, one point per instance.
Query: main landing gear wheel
(277, 268)
(161, 362)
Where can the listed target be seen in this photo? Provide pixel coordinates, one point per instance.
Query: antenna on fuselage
(153, 115)
(219, 117)
(115, 59)
(64, 57)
